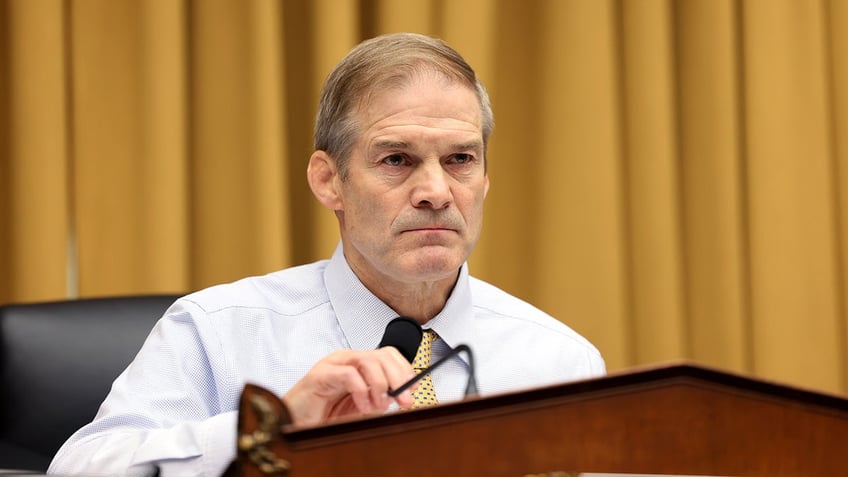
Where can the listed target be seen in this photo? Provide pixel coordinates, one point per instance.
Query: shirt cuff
(219, 446)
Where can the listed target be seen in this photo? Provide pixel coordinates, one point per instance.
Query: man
(400, 158)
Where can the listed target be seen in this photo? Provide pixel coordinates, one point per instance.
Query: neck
(420, 301)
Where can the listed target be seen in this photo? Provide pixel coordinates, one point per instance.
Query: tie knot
(422, 357)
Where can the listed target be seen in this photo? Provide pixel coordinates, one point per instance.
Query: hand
(349, 383)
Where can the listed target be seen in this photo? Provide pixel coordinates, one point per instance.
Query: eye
(463, 158)
(394, 160)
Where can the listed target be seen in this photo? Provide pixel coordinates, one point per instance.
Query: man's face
(411, 207)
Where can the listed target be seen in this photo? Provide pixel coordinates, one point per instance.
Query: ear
(322, 174)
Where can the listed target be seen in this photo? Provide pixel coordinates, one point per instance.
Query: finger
(375, 372)
(398, 372)
(352, 382)
(382, 369)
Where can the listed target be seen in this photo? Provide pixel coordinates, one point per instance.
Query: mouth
(430, 228)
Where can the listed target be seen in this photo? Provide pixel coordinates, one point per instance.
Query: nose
(431, 186)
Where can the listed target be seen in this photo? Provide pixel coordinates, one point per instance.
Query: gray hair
(387, 60)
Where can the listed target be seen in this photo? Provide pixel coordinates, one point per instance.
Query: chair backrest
(57, 363)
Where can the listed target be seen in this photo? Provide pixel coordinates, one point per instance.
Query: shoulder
(500, 309)
(521, 346)
(286, 292)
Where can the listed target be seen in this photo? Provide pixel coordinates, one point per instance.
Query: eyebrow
(389, 144)
(476, 145)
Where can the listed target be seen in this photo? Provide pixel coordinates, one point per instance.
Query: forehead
(424, 103)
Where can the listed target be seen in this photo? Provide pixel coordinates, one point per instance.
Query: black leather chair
(57, 363)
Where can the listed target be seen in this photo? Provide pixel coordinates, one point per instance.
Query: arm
(165, 409)
(175, 406)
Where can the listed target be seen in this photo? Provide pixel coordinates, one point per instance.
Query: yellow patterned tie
(425, 395)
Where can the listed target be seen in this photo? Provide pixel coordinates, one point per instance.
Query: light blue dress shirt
(175, 405)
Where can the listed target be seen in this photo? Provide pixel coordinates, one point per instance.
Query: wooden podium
(678, 419)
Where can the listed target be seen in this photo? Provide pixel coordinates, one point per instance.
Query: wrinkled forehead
(390, 84)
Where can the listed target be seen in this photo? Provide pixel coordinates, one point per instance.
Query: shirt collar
(363, 317)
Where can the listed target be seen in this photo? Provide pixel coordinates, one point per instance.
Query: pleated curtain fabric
(687, 196)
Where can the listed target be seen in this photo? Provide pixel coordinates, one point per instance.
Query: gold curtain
(669, 177)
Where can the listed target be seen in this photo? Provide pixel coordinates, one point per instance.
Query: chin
(438, 266)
